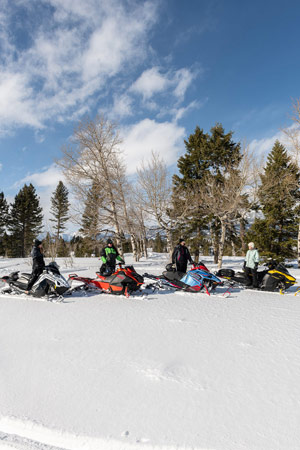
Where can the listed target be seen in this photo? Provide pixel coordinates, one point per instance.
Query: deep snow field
(170, 370)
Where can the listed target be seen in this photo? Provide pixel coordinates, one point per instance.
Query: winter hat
(251, 244)
(37, 243)
(109, 241)
(181, 240)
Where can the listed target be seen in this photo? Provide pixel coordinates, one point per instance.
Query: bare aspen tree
(156, 195)
(90, 160)
(124, 206)
(227, 199)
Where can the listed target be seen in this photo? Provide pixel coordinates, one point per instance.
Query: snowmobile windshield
(281, 268)
(54, 267)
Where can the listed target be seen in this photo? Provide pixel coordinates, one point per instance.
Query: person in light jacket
(251, 265)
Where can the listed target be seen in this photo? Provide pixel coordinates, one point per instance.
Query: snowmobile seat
(225, 273)
(14, 276)
(173, 275)
(26, 275)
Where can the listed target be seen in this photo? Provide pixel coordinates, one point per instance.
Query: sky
(157, 68)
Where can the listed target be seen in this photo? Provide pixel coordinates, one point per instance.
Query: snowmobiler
(124, 281)
(181, 256)
(275, 278)
(38, 263)
(50, 283)
(195, 280)
(109, 254)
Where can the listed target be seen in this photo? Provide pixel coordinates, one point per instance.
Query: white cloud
(1, 165)
(49, 177)
(182, 79)
(71, 53)
(152, 82)
(17, 105)
(45, 182)
(146, 136)
(122, 106)
(265, 145)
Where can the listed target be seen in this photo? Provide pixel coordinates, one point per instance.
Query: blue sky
(158, 68)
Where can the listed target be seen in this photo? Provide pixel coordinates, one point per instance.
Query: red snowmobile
(124, 281)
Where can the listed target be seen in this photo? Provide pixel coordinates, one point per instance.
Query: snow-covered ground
(168, 371)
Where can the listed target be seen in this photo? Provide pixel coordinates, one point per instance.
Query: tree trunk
(169, 242)
(222, 243)
(216, 248)
(233, 248)
(242, 236)
(298, 255)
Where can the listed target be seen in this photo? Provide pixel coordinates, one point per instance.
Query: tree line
(221, 197)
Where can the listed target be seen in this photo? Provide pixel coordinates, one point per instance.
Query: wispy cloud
(154, 81)
(46, 177)
(67, 56)
(265, 145)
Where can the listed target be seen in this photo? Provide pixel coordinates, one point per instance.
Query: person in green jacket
(251, 265)
(109, 254)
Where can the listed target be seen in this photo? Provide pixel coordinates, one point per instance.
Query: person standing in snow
(181, 256)
(38, 263)
(251, 265)
(109, 254)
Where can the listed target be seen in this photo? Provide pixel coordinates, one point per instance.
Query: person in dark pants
(181, 256)
(251, 265)
(38, 264)
(109, 254)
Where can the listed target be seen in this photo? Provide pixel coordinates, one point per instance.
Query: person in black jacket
(38, 264)
(109, 254)
(181, 256)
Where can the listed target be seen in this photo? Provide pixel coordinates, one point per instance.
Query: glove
(255, 266)
(244, 265)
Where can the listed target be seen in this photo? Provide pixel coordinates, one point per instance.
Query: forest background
(221, 197)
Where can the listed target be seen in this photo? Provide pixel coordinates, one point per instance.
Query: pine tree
(3, 222)
(275, 234)
(159, 244)
(205, 155)
(25, 220)
(60, 208)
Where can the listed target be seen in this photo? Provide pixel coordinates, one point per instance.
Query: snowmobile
(275, 278)
(197, 279)
(50, 284)
(124, 281)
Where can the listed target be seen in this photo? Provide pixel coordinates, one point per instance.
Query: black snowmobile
(275, 278)
(50, 284)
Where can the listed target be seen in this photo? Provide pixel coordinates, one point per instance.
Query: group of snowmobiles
(126, 281)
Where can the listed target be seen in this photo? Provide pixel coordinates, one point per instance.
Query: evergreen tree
(205, 155)
(90, 217)
(62, 248)
(25, 220)
(60, 208)
(159, 244)
(3, 222)
(90, 223)
(275, 234)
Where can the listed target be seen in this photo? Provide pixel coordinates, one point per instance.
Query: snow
(165, 371)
